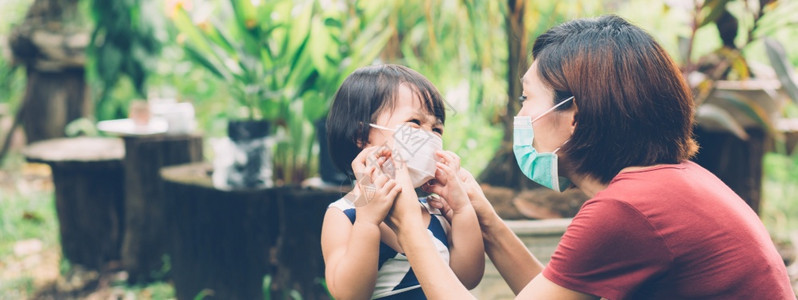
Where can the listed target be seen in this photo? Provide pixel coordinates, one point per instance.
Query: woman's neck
(588, 185)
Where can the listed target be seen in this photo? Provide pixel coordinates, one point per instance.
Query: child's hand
(377, 189)
(448, 184)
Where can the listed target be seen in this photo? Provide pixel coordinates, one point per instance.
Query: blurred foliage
(12, 77)
(737, 24)
(11, 13)
(780, 191)
(282, 61)
(124, 44)
(461, 46)
(12, 83)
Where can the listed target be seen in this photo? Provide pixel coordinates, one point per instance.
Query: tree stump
(146, 239)
(87, 174)
(300, 265)
(221, 237)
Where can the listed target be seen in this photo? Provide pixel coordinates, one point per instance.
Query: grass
(28, 217)
(780, 194)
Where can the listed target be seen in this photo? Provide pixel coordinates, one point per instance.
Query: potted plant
(283, 60)
(737, 101)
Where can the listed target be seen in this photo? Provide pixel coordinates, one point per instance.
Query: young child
(383, 118)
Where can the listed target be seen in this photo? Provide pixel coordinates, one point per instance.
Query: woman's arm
(510, 256)
(436, 278)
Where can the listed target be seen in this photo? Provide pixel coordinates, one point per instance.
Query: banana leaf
(751, 109)
(721, 117)
(782, 67)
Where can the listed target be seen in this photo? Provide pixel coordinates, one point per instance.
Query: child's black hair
(366, 93)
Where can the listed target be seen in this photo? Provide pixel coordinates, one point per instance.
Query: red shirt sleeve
(609, 250)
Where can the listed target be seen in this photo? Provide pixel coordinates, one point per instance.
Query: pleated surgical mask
(416, 148)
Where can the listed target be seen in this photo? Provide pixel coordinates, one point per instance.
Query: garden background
(282, 61)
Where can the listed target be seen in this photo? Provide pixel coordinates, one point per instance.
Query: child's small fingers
(388, 185)
(393, 192)
(380, 179)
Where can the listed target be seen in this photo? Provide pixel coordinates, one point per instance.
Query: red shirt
(669, 232)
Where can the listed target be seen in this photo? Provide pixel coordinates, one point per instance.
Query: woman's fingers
(448, 171)
(442, 205)
(449, 158)
(436, 189)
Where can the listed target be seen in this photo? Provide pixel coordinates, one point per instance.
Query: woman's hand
(377, 190)
(478, 200)
(476, 197)
(406, 211)
(448, 184)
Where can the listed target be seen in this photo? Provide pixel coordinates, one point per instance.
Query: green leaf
(320, 44)
(713, 10)
(371, 49)
(751, 109)
(198, 57)
(299, 30)
(194, 36)
(781, 65)
(721, 117)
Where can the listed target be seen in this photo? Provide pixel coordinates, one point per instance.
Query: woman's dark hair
(365, 94)
(634, 107)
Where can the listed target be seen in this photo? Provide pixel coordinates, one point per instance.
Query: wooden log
(146, 239)
(300, 265)
(87, 174)
(222, 238)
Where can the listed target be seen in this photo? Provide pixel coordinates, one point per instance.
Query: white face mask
(416, 148)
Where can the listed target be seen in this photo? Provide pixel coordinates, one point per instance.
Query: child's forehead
(412, 107)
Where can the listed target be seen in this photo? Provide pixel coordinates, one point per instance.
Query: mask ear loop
(553, 108)
(550, 110)
(381, 127)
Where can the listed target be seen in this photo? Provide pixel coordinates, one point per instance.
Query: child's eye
(415, 121)
(522, 98)
(438, 130)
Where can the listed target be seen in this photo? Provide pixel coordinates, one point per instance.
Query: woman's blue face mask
(540, 167)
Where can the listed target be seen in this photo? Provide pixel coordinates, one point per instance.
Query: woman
(613, 115)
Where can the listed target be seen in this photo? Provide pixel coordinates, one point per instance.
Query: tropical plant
(739, 25)
(282, 61)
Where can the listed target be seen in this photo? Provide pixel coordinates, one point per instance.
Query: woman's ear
(572, 116)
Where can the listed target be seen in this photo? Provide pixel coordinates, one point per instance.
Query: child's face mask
(416, 148)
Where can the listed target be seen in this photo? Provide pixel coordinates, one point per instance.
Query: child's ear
(360, 128)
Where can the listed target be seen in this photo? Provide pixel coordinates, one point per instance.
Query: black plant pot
(327, 169)
(249, 142)
(243, 130)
